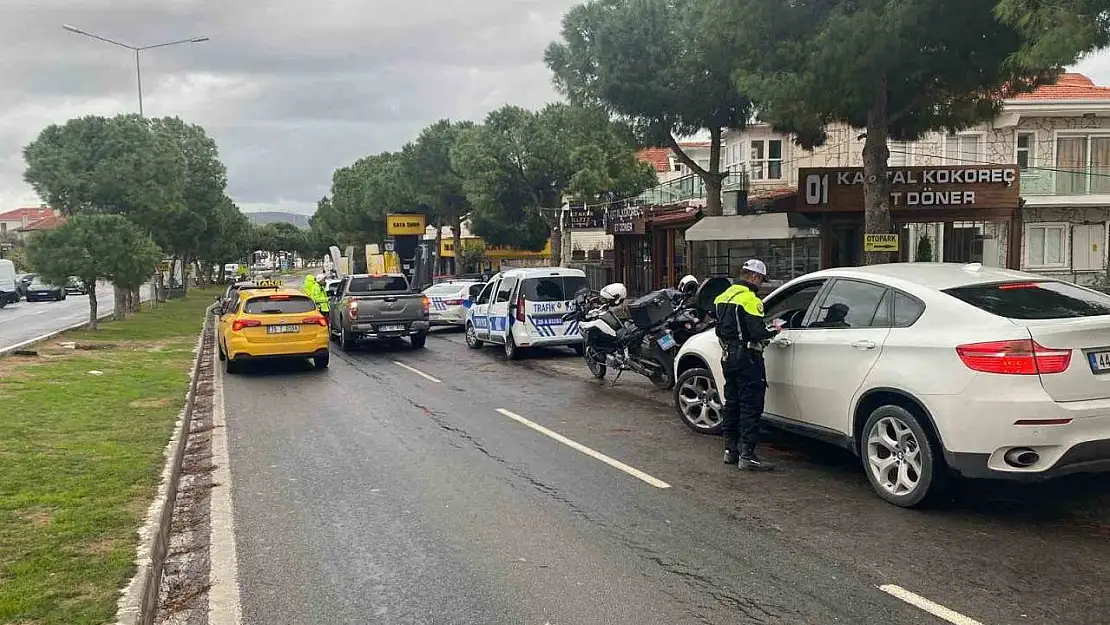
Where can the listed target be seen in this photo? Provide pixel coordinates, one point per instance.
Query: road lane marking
(931, 607)
(597, 455)
(224, 605)
(418, 372)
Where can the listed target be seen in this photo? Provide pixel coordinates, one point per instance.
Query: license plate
(286, 329)
(1100, 361)
(666, 341)
(391, 328)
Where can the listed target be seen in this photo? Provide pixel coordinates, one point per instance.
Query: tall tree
(520, 166)
(94, 247)
(650, 62)
(227, 237)
(119, 165)
(433, 180)
(894, 69)
(363, 193)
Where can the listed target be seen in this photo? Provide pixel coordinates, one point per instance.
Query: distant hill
(269, 217)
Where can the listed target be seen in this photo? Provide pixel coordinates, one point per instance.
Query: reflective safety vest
(743, 297)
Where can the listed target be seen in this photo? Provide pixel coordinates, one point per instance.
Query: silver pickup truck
(368, 307)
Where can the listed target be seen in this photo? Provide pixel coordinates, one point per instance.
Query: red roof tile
(696, 144)
(659, 158)
(46, 223)
(1070, 86)
(30, 213)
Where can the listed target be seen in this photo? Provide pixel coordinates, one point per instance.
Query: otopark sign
(826, 189)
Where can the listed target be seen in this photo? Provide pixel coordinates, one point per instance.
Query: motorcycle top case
(651, 309)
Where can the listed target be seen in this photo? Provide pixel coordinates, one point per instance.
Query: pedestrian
(742, 333)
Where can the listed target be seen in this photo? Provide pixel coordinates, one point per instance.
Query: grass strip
(82, 435)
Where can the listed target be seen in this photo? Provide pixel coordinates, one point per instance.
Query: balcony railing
(688, 187)
(1041, 182)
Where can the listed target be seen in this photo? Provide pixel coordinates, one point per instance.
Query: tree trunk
(556, 246)
(456, 236)
(876, 186)
(714, 179)
(186, 263)
(92, 306)
(119, 306)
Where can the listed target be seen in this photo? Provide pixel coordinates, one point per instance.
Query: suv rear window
(370, 284)
(279, 305)
(1044, 299)
(552, 289)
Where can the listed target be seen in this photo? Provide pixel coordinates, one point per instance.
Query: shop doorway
(955, 242)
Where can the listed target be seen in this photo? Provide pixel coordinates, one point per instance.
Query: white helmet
(688, 284)
(614, 293)
(755, 265)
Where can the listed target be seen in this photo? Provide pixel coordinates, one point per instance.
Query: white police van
(524, 308)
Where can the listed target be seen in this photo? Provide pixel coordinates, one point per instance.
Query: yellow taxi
(272, 321)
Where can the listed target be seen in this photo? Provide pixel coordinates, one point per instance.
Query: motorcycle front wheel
(596, 367)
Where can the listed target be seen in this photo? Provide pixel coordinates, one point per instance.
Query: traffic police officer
(742, 334)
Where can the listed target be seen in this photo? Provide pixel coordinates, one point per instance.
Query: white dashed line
(597, 455)
(418, 372)
(931, 607)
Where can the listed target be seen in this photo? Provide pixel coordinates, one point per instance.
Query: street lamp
(136, 50)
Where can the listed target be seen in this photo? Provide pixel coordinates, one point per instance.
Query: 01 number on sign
(817, 189)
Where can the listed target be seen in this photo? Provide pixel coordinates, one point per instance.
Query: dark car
(39, 291)
(76, 286)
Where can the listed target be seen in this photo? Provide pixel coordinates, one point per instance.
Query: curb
(138, 603)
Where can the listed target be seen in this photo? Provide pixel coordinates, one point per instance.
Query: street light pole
(137, 50)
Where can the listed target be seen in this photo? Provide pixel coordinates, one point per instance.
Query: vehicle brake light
(352, 308)
(278, 298)
(425, 304)
(520, 308)
(317, 319)
(452, 302)
(1018, 285)
(1018, 357)
(239, 324)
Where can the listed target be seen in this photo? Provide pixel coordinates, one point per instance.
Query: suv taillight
(352, 308)
(239, 324)
(520, 308)
(1017, 357)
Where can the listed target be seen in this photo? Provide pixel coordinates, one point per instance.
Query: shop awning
(765, 226)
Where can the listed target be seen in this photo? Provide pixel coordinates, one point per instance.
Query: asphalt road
(372, 492)
(29, 320)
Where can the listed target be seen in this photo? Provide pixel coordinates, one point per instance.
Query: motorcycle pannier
(651, 309)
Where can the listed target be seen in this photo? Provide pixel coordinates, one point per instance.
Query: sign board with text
(840, 189)
(880, 242)
(585, 218)
(402, 225)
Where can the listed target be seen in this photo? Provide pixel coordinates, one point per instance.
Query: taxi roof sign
(269, 284)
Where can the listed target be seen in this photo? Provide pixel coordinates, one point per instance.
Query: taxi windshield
(279, 305)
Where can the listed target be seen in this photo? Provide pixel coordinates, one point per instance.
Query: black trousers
(745, 390)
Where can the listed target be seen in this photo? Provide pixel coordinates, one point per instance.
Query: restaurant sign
(831, 189)
(585, 218)
(625, 220)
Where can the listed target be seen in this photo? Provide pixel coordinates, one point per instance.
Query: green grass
(81, 457)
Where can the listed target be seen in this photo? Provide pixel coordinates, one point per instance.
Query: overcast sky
(289, 89)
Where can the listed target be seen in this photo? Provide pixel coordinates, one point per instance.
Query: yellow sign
(880, 243)
(447, 249)
(401, 225)
(269, 284)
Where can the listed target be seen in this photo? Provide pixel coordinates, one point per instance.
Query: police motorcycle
(648, 342)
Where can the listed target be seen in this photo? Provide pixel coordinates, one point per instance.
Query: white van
(8, 293)
(525, 308)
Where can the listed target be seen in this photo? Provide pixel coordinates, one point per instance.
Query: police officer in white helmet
(742, 333)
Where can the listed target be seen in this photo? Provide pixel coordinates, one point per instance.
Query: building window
(1082, 164)
(1025, 150)
(900, 152)
(1088, 247)
(766, 159)
(1044, 246)
(3, 227)
(965, 148)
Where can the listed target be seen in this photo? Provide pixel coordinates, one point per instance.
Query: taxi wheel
(321, 361)
(472, 340)
(231, 367)
(220, 351)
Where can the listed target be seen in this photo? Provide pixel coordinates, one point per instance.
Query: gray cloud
(290, 90)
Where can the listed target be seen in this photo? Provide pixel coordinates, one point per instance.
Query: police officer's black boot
(751, 462)
(732, 456)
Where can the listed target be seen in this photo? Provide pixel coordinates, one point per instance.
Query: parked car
(39, 291)
(76, 286)
(375, 307)
(928, 369)
(449, 299)
(9, 283)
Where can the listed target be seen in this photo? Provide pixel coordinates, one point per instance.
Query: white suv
(924, 369)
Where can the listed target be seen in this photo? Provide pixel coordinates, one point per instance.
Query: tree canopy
(895, 70)
(94, 247)
(651, 63)
(431, 178)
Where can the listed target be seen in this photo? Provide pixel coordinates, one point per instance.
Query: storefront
(649, 247)
(956, 214)
(788, 242)
(493, 258)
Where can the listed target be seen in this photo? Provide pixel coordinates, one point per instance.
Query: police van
(524, 308)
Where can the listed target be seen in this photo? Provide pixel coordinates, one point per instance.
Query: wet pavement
(27, 321)
(432, 486)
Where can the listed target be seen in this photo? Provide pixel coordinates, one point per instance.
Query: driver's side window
(791, 306)
(483, 298)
